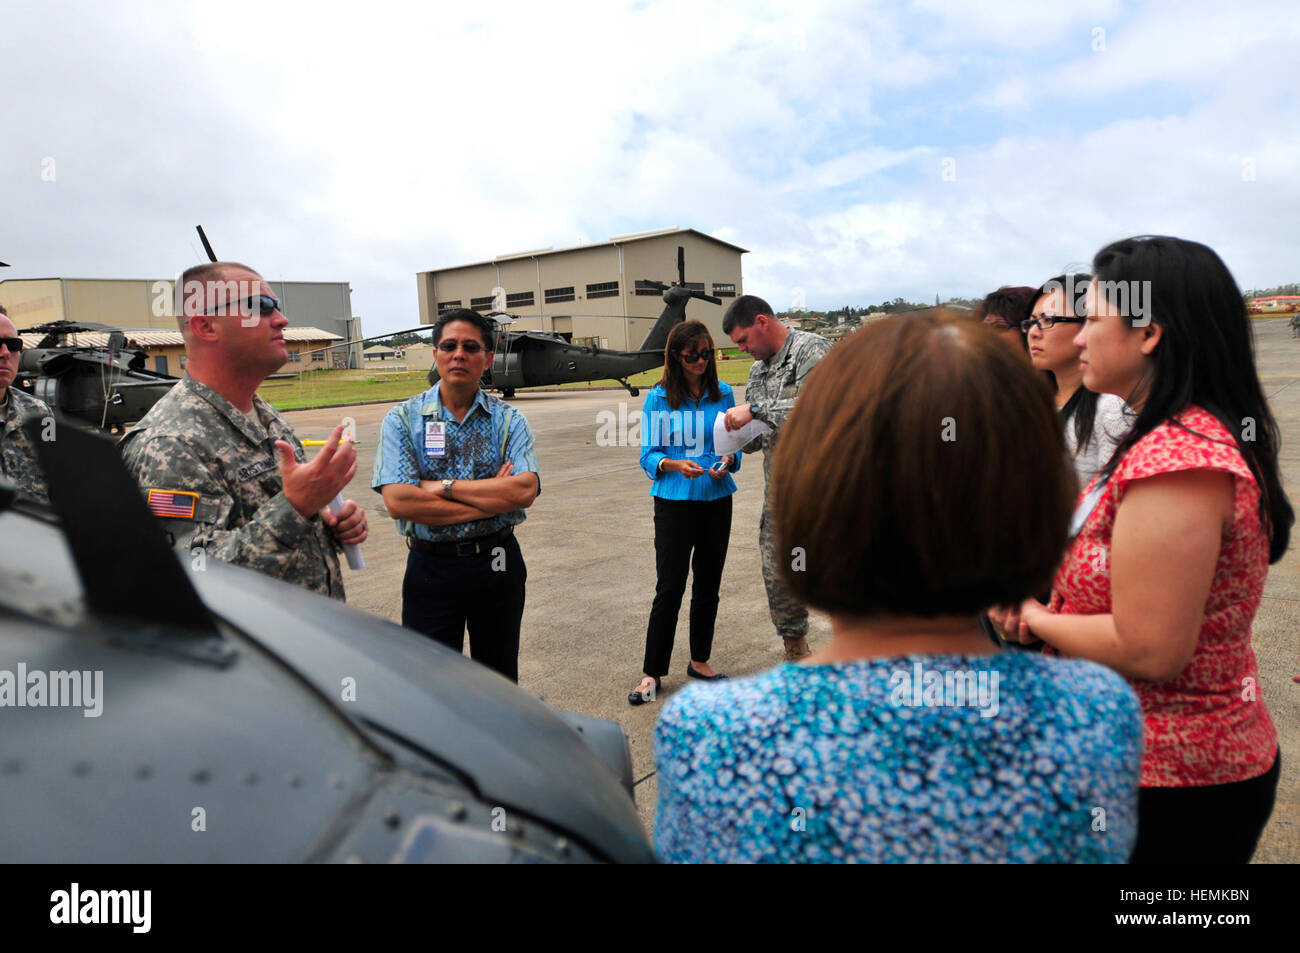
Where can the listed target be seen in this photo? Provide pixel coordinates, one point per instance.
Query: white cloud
(332, 142)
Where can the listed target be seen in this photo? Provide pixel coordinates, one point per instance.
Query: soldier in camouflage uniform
(17, 455)
(782, 359)
(209, 468)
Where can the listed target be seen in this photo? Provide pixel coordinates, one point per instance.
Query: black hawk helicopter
(540, 358)
(104, 386)
(146, 698)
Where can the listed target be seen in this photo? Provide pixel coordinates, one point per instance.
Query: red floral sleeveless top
(1209, 725)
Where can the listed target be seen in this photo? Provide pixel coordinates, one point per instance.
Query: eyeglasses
(703, 354)
(469, 347)
(259, 304)
(1046, 321)
(14, 344)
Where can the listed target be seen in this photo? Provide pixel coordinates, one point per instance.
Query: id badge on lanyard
(435, 439)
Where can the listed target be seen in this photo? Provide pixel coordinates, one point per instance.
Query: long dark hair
(1081, 409)
(1205, 357)
(685, 337)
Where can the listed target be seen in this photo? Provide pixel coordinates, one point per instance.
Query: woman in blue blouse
(910, 737)
(692, 489)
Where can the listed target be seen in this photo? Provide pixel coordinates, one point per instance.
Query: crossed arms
(473, 499)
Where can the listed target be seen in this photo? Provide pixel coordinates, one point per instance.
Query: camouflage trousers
(788, 614)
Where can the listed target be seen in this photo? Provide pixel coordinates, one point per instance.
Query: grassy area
(729, 372)
(323, 388)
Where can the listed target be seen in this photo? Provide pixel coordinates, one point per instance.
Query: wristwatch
(446, 488)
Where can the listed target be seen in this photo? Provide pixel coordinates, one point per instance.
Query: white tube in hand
(351, 550)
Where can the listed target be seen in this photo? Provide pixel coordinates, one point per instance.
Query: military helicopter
(164, 714)
(538, 358)
(102, 386)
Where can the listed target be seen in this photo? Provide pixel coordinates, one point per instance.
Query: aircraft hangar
(589, 293)
(147, 304)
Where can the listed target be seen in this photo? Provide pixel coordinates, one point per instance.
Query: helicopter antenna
(212, 256)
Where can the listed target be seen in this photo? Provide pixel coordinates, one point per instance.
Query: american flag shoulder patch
(178, 503)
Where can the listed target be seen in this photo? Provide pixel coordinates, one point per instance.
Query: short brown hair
(1005, 308)
(891, 473)
(199, 275)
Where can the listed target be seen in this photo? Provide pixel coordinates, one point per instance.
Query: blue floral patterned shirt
(422, 440)
(1010, 757)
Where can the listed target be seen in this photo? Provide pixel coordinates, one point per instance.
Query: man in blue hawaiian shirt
(456, 468)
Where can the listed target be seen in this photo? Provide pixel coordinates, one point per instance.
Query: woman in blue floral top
(910, 737)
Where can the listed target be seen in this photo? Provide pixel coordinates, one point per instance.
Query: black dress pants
(689, 534)
(1216, 824)
(441, 595)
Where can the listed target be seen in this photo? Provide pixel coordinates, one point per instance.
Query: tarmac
(589, 546)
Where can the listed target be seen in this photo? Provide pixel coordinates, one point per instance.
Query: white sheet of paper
(725, 441)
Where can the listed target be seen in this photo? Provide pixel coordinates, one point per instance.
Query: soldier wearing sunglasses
(219, 466)
(17, 455)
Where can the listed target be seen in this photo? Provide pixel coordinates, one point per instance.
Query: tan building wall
(419, 357)
(174, 354)
(176, 364)
(622, 319)
(135, 303)
(35, 301)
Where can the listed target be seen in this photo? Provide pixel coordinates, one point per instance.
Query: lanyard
(1085, 508)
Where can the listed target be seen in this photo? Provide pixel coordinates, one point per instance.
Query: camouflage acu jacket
(212, 475)
(774, 384)
(17, 455)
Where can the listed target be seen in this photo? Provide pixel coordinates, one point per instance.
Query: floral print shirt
(1010, 757)
(1209, 725)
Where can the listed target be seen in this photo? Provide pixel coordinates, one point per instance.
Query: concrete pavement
(589, 546)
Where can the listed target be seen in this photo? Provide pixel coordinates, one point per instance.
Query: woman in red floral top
(1175, 536)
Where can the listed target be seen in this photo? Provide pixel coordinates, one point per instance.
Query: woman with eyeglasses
(1174, 541)
(1094, 423)
(691, 487)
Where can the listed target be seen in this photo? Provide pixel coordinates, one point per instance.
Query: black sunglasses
(14, 344)
(469, 347)
(258, 304)
(704, 353)
(1045, 322)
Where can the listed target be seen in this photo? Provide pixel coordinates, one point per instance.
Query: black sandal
(638, 697)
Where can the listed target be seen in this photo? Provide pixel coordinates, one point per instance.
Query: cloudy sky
(862, 151)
